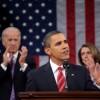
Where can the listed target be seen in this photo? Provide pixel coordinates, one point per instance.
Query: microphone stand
(66, 66)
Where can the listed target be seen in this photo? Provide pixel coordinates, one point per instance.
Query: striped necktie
(12, 64)
(61, 81)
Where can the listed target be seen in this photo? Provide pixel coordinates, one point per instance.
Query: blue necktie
(12, 64)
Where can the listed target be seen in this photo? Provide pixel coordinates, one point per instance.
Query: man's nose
(64, 46)
(13, 42)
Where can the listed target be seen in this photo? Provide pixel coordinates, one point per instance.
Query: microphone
(66, 67)
(65, 64)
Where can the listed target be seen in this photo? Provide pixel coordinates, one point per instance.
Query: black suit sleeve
(90, 86)
(31, 64)
(30, 85)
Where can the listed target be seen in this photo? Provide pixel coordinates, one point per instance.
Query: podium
(78, 95)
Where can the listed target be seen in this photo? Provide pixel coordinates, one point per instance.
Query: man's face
(59, 48)
(11, 41)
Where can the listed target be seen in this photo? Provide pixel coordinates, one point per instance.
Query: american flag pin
(72, 74)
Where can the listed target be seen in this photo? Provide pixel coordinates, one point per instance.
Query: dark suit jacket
(42, 79)
(20, 78)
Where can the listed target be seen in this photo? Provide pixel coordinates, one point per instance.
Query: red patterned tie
(61, 80)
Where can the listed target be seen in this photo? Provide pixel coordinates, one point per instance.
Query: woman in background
(89, 56)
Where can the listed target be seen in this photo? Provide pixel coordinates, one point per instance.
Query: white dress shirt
(15, 58)
(54, 68)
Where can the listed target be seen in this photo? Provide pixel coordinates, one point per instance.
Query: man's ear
(47, 51)
(3, 42)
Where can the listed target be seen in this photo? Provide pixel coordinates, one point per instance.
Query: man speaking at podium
(56, 76)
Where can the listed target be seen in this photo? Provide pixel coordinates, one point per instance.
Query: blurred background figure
(89, 56)
(14, 65)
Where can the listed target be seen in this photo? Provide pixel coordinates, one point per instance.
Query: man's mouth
(65, 52)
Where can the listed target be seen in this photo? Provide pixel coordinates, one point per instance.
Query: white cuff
(97, 85)
(23, 67)
(3, 67)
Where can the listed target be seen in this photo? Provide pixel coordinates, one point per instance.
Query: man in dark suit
(11, 38)
(45, 77)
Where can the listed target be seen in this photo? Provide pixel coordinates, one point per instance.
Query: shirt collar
(54, 66)
(15, 55)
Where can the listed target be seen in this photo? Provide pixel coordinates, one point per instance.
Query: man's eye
(15, 40)
(9, 40)
(65, 41)
(58, 43)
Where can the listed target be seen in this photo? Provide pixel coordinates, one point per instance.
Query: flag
(77, 19)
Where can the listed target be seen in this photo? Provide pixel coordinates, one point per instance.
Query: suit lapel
(71, 75)
(50, 78)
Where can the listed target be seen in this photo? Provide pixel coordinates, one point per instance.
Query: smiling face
(59, 48)
(11, 40)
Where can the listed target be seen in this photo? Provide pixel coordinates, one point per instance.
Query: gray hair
(47, 38)
(10, 28)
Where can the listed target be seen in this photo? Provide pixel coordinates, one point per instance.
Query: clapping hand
(97, 73)
(7, 57)
(23, 54)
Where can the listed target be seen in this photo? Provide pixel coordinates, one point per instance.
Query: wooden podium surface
(60, 95)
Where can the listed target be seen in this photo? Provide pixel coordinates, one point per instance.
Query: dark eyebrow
(66, 41)
(59, 42)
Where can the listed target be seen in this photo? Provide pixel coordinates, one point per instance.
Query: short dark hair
(46, 40)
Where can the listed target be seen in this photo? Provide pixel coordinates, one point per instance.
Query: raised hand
(7, 57)
(90, 64)
(23, 54)
(97, 73)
